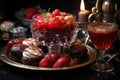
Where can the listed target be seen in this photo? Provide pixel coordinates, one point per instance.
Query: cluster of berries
(56, 20)
(57, 60)
(53, 60)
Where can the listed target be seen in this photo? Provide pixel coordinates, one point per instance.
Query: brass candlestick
(109, 8)
(103, 11)
(95, 16)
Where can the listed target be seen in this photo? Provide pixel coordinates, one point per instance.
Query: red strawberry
(46, 62)
(62, 24)
(30, 9)
(50, 25)
(12, 42)
(56, 12)
(63, 13)
(38, 25)
(56, 22)
(55, 56)
(73, 62)
(9, 45)
(18, 41)
(63, 61)
(30, 12)
(39, 17)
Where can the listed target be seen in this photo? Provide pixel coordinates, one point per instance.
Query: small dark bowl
(23, 21)
(18, 32)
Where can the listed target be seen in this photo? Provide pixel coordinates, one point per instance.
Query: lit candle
(83, 14)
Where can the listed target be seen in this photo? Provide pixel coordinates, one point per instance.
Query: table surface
(8, 72)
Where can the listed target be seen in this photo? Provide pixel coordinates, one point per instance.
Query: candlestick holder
(96, 14)
(82, 31)
(109, 8)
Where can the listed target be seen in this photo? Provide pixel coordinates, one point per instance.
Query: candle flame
(82, 5)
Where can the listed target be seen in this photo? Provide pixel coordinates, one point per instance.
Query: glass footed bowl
(54, 31)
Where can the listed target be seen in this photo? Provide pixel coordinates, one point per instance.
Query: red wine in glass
(102, 36)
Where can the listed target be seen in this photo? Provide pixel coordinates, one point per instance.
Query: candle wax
(83, 16)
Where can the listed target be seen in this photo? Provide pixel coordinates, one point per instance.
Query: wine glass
(102, 35)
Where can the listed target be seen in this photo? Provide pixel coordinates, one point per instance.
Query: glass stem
(101, 57)
(54, 48)
(101, 63)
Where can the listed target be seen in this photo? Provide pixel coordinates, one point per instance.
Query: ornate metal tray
(91, 58)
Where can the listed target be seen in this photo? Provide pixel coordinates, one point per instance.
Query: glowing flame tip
(82, 5)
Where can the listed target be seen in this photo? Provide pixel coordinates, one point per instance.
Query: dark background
(9, 7)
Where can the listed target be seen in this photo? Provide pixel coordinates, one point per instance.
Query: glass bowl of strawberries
(54, 29)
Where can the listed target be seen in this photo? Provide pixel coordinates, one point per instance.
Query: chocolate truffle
(16, 52)
(79, 52)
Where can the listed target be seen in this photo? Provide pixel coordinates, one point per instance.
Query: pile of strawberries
(56, 60)
(56, 20)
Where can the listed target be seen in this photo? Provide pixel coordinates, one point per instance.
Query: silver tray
(91, 53)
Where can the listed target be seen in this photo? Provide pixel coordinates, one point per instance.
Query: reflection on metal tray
(91, 52)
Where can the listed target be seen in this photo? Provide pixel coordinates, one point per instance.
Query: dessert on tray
(35, 56)
(30, 42)
(54, 30)
(16, 52)
(32, 55)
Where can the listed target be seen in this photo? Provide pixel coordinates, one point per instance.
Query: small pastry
(6, 25)
(32, 56)
(30, 42)
(79, 52)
